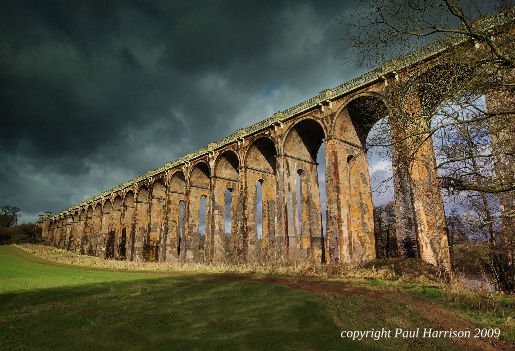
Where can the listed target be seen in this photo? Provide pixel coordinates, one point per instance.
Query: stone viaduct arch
(226, 178)
(142, 221)
(260, 166)
(155, 217)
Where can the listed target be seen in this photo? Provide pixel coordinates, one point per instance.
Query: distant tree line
(12, 233)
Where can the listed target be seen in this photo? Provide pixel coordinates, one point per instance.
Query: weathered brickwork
(155, 217)
(144, 221)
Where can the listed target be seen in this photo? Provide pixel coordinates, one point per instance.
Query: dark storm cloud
(95, 93)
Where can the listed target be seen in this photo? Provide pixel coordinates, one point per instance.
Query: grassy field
(48, 306)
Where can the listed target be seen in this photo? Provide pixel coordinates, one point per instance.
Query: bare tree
(384, 231)
(464, 97)
(8, 216)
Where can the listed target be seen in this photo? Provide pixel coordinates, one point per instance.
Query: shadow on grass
(168, 313)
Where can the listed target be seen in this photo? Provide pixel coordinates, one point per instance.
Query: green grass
(483, 309)
(44, 307)
(488, 310)
(70, 308)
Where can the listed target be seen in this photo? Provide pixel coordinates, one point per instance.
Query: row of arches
(270, 206)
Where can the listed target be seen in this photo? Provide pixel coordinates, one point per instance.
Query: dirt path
(439, 318)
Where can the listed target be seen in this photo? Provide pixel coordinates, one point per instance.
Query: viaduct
(155, 217)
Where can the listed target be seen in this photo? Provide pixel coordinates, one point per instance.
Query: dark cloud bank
(94, 94)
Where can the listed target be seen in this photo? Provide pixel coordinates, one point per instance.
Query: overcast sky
(93, 95)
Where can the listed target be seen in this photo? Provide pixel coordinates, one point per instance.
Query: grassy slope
(44, 307)
(483, 309)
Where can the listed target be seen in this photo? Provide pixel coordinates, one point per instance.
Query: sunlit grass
(45, 307)
(65, 307)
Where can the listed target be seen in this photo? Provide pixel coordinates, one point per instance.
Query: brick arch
(107, 205)
(89, 210)
(128, 198)
(350, 225)
(82, 213)
(348, 114)
(157, 204)
(200, 174)
(142, 193)
(227, 165)
(300, 148)
(171, 240)
(227, 168)
(304, 132)
(177, 182)
(97, 219)
(158, 188)
(262, 152)
(117, 202)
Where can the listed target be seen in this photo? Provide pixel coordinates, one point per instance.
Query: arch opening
(261, 155)
(202, 217)
(364, 112)
(227, 214)
(227, 165)
(177, 183)
(180, 229)
(199, 177)
(261, 166)
(259, 208)
(349, 172)
(379, 157)
(109, 253)
(473, 151)
(299, 200)
(322, 186)
(122, 247)
(304, 191)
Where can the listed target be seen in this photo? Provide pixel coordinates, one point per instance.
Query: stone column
(141, 223)
(269, 217)
(191, 230)
(361, 209)
(116, 225)
(250, 233)
(44, 224)
(405, 217)
(337, 202)
(241, 234)
(67, 231)
(281, 238)
(418, 196)
(104, 231)
(218, 213)
(173, 234)
(236, 213)
(287, 195)
(61, 238)
(128, 218)
(157, 211)
(72, 240)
